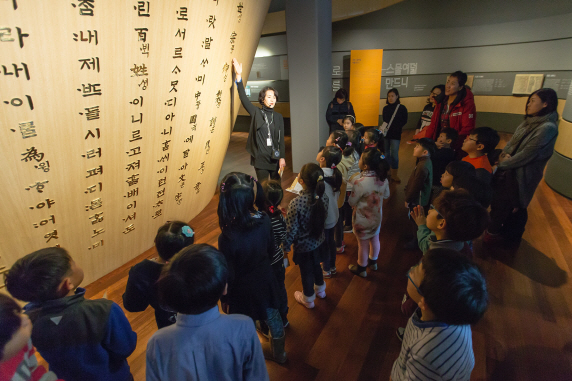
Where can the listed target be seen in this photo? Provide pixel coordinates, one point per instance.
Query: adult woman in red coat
(457, 110)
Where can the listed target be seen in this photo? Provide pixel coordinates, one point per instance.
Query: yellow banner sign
(365, 84)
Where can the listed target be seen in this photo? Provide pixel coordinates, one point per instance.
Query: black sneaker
(400, 332)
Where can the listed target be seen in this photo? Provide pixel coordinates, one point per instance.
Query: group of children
(85, 339)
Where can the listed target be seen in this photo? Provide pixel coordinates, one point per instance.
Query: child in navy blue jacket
(81, 339)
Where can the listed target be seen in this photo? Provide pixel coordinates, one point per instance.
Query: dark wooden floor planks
(526, 333)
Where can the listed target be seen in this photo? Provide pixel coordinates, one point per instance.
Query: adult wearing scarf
(521, 167)
(265, 142)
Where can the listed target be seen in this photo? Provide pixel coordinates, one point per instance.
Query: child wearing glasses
(452, 294)
(478, 144)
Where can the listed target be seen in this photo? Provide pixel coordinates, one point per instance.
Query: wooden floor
(526, 333)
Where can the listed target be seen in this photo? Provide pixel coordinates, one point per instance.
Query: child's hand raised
(418, 215)
(237, 67)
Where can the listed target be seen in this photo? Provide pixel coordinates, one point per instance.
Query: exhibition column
(559, 168)
(309, 36)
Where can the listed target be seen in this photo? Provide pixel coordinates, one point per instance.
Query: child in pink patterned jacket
(369, 190)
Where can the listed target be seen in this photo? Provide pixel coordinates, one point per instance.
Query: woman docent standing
(338, 109)
(265, 142)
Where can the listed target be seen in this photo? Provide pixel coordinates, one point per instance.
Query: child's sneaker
(320, 291)
(333, 271)
(304, 300)
(400, 333)
(358, 270)
(372, 263)
(327, 274)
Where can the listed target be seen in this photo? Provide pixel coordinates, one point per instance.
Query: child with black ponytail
(273, 197)
(305, 221)
(369, 190)
(329, 158)
(373, 138)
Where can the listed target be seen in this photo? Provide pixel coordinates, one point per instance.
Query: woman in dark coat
(393, 137)
(338, 108)
(265, 142)
(521, 167)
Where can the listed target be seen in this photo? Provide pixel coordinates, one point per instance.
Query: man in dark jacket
(338, 108)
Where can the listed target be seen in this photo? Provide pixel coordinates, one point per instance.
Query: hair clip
(271, 209)
(333, 166)
(320, 178)
(382, 157)
(317, 197)
(252, 178)
(349, 144)
(338, 147)
(222, 187)
(187, 231)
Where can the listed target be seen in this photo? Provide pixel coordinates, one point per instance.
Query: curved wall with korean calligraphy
(115, 118)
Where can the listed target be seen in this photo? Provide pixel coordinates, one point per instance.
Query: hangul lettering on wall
(165, 132)
(211, 21)
(145, 49)
(163, 169)
(181, 34)
(182, 12)
(39, 186)
(178, 52)
(173, 86)
(132, 193)
(397, 69)
(91, 134)
(129, 229)
(337, 70)
(390, 70)
(186, 153)
(207, 43)
(92, 153)
(240, 6)
(179, 198)
(413, 68)
(133, 151)
(51, 235)
(161, 193)
(90, 36)
(137, 101)
(94, 204)
(204, 62)
(97, 232)
(207, 146)
(232, 38)
(171, 102)
(27, 129)
(162, 182)
(166, 145)
(90, 89)
(93, 188)
(405, 68)
(140, 120)
(43, 204)
(94, 171)
(201, 79)
(198, 187)
(218, 98)
(45, 166)
(95, 245)
(158, 213)
(176, 70)
(202, 167)
(193, 122)
(90, 63)
(15, 6)
(212, 124)
(96, 218)
(142, 8)
(17, 102)
(132, 180)
(197, 100)
(132, 205)
(32, 154)
(189, 139)
(134, 165)
(85, 7)
(130, 217)
(92, 113)
(170, 117)
(163, 159)
(336, 85)
(6, 35)
(144, 83)
(17, 70)
(46, 221)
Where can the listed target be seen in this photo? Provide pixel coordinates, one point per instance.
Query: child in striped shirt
(273, 197)
(437, 344)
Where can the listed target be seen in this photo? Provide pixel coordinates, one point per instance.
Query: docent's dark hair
(342, 94)
(453, 287)
(313, 178)
(194, 280)
(262, 94)
(37, 276)
(172, 237)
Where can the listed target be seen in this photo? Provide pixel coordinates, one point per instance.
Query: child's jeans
(368, 249)
(310, 270)
(329, 250)
(280, 274)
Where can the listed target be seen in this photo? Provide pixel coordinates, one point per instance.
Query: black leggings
(263, 174)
